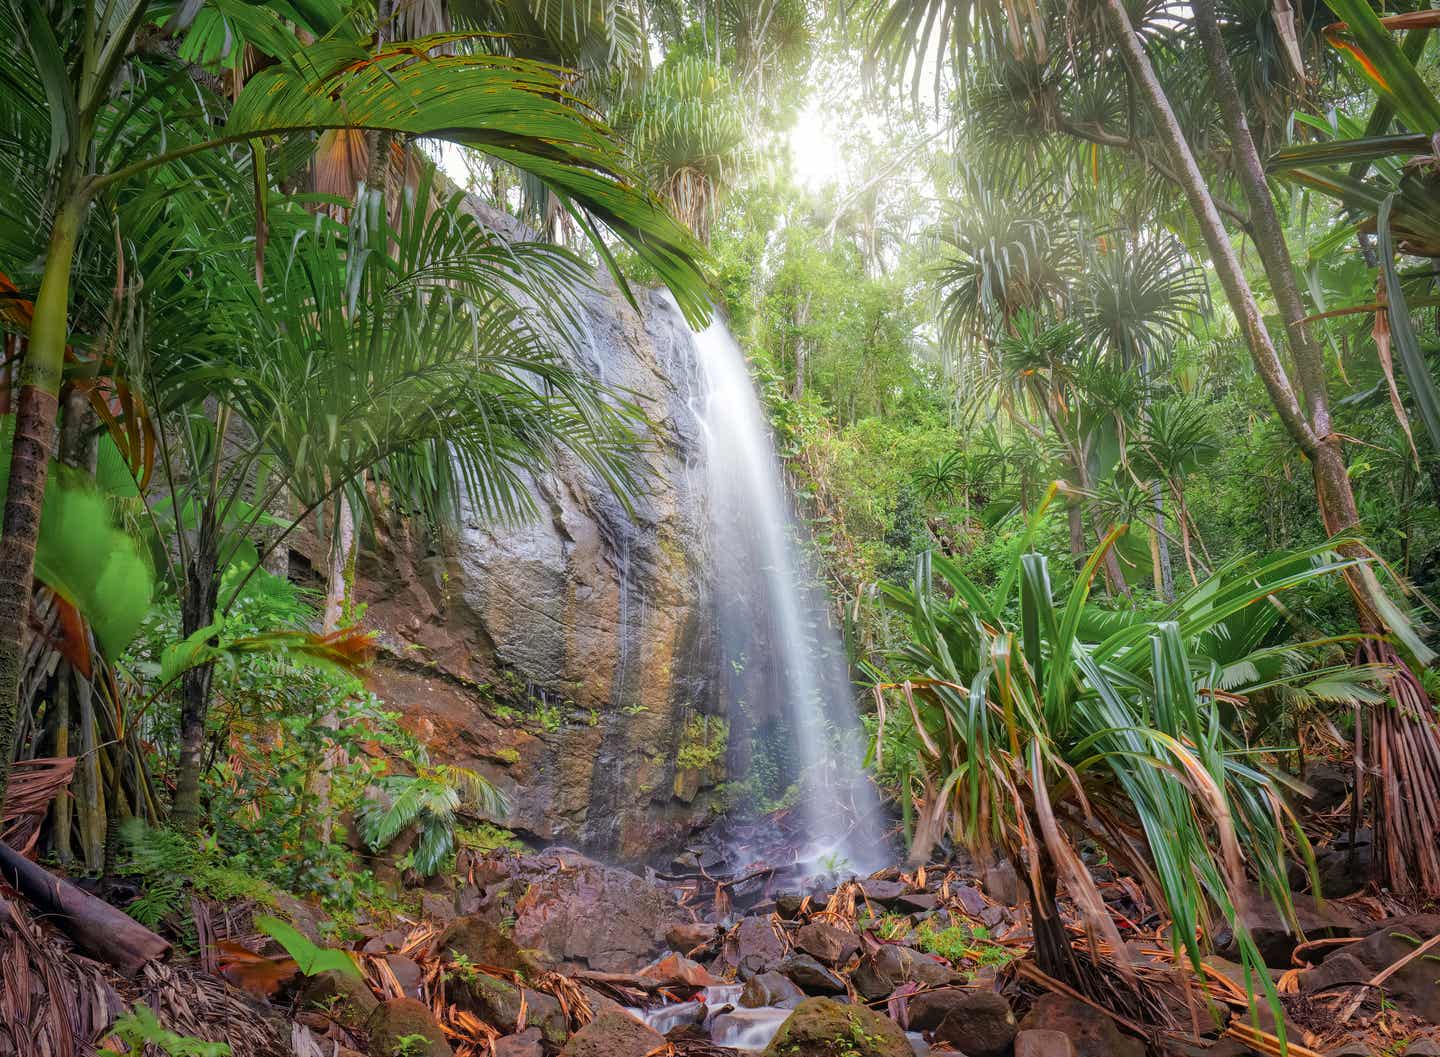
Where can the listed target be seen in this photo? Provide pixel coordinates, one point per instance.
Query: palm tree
(76, 144)
(429, 339)
(1170, 141)
(1175, 439)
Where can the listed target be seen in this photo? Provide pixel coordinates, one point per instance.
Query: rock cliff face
(572, 659)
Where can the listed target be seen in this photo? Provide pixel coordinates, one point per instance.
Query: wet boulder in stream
(822, 1027)
(831, 945)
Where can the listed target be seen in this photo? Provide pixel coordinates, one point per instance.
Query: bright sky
(814, 148)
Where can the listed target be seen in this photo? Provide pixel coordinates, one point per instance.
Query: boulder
(821, 1027)
(405, 1018)
(1045, 1042)
(771, 989)
(970, 898)
(408, 975)
(676, 970)
(890, 965)
(608, 918)
(1091, 1032)
(346, 999)
(1341, 967)
(480, 943)
(831, 945)
(1423, 1048)
(979, 1024)
(1413, 988)
(1272, 933)
(788, 904)
(753, 947)
(613, 1034)
(501, 1004)
(1351, 1047)
(1002, 884)
(925, 1011)
(883, 891)
(812, 977)
(525, 1044)
(685, 937)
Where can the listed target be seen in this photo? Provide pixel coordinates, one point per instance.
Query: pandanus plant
(1027, 735)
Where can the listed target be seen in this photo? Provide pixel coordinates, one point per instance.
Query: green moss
(507, 756)
(704, 740)
(484, 837)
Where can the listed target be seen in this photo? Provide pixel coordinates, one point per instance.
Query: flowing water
(717, 1011)
(787, 670)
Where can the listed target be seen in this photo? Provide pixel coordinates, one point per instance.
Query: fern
(430, 800)
(140, 1029)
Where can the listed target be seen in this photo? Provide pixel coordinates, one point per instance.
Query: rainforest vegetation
(351, 574)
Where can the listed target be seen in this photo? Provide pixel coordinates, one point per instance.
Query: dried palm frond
(33, 784)
(53, 1003)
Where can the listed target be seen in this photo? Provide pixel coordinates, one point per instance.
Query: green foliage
(169, 865)
(704, 741)
(140, 1029)
(311, 959)
(1015, 688)
(431, 800)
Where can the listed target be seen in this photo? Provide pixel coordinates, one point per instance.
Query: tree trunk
(197, 610)
(36, 406)
(1165, 578)
(1408, 850)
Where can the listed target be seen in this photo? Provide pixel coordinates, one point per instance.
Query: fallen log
(94, 926)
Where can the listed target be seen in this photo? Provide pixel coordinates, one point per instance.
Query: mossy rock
(346, 999)
(403, 1027)
(822, 1027)
(481, 943)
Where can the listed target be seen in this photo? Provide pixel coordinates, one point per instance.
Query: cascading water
(787, 671)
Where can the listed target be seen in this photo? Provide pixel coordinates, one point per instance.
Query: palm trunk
(1183, 516)
(197, 610)
(36, 407)
(1165, 570)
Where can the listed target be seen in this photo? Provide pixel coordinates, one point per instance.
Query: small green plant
(409, 1045)
(704, 741)
(486, 837)
(430, 800)
(140, 1028)
(635, 709)
(835, 865)
(461, 968)
(550, 717)
(310, 958)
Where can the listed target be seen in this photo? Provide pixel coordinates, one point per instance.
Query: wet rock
(1002, 884)
(1092, 1033)
(1423, 1048)
(917, 902)
(405, 1018)
(525, 1044)
(387, 941)
(889, 966)
(438, 908)
(1330, 785)
(501, 1004)
(788, 904)
(979, 1024)
(1341, 874)
(346, 999)
(883, 891)
(994, 915)
(1341, 967)
(613, 1034)
(480, 942)
(1413, 988)
(686, 937)
(1352, 1047)
(925, 1011)
(675, 970)
(771, 989)
(595, 607)
(1273, 935)
(821, 1027)
(831, 945)
(606, 917)
(753, 947)
(1044, 1042)
(969, 897)
(408, 975)
(812, 977)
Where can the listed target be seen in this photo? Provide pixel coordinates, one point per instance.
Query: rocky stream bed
(533, 955)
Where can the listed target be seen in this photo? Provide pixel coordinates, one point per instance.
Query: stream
(717, 1011)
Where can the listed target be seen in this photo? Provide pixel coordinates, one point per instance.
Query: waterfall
(786, 666)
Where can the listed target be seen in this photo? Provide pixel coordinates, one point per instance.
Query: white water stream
(775, 619)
